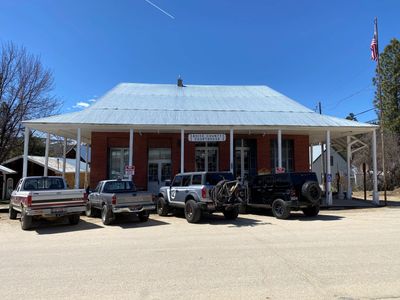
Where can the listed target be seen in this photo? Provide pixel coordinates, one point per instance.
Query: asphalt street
(341, 254)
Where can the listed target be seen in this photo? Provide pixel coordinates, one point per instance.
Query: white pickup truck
(46, 197)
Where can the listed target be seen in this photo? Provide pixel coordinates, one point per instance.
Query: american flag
(374, 48)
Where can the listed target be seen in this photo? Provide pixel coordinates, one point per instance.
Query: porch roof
(167, 107)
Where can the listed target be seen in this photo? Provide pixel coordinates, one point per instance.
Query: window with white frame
(287, 154)
(206, 156)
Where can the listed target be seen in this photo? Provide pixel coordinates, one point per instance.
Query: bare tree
(25, 93)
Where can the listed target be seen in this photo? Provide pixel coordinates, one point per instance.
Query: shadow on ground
(61, 226)
(132, 221)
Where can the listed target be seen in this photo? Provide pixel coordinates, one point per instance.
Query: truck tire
(311, 191)
(106, 215)
(143, 216)
(162, 207)
(231, 214)
(26, 221)
(73, 219)
(12, 213)
(280, 209)
(89, 210)
(311, 211)
(192, 212)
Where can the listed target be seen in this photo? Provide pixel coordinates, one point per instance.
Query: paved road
(353, 254)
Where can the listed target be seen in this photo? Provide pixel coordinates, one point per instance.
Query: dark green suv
(285, 192)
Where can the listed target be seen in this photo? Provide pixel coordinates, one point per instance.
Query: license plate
(57, 210)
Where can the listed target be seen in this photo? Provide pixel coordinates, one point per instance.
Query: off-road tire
(311, 211)
(74, 219)
(162, 207)
(231, 214)
(107, 216)
(192, 212)
(143, 216)
(280, 209)
(26, 221)
(12, 213)
(311, 191)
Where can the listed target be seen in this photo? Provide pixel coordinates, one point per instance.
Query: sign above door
(207, 137)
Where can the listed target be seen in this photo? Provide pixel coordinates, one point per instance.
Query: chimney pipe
(180, 82)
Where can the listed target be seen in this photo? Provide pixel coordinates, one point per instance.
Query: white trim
(131, 138)
(231, 150)
(182, 150)
(349, 189)
(78, 159)
(279, 148)
(65, 156)
(328, 169)
(25, 156)
(46, 156)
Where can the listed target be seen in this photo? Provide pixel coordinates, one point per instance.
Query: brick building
(163, 129)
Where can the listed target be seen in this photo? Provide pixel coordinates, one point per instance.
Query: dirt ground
(391, 195)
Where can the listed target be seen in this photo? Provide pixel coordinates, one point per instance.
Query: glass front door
(159, 168)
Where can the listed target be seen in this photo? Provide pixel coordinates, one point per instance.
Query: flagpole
(381, 112)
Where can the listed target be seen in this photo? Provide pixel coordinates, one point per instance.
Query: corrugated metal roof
(203, 105)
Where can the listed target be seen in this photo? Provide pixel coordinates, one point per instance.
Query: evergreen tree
(390, 86)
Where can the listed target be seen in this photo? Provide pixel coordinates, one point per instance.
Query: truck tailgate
(57, 198)
(134, 198)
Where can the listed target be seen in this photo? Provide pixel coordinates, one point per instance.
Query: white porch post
(311, 157)
(328, 192)
(46, 155)
(86, 165)
(130, 150)
(25, 158)
(78, 159)
(182, 150)
(64, 156)
(375, 195)
(231, 150)
(280, 148)
(349, 190)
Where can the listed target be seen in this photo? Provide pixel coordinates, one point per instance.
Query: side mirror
(168, 182)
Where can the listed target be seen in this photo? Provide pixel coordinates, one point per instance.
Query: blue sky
(308, 50)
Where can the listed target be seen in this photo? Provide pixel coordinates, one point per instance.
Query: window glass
(159, 153)
(33, 184)
(206, 157)
(287, 154)
(119, 158)
(196, 179)
(177, 181)
(118, 187)
(186, 180)
(98, 187)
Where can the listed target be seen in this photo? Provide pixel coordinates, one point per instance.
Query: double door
(159, 172)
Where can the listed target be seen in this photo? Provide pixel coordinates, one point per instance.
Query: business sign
(129, 170)
(207, 137)
(279, 170)
(329, 177)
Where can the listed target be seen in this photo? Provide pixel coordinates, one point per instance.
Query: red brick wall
(102, 141)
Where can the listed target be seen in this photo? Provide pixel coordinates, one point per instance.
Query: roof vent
(180, 82)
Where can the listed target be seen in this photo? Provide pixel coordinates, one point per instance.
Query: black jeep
(285, 192)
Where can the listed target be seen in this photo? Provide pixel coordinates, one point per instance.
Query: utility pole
(381, 110)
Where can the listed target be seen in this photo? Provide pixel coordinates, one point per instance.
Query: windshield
(119, 187)
(214, 178)
(33, 184)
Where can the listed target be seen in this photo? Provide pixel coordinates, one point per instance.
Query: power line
(349, 96)
(365, 111)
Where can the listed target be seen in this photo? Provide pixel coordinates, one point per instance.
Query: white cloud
(81, 104)
(92, 100)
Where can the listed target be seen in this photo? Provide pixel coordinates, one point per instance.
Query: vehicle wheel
(192, 212)
(12, 213)
(106, 215)
(73, 219)
(162, 207)
(280, 209)
(311, 211)
(26, 221)
(311, 191)
(143, 216)
(89, 210)
(231, 214)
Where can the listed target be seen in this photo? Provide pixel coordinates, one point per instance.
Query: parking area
(340, 254)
